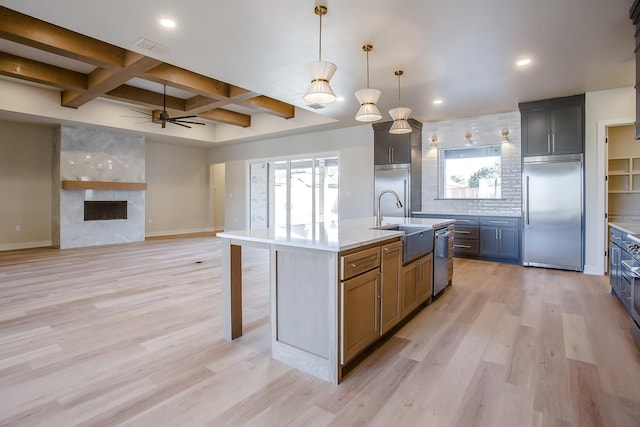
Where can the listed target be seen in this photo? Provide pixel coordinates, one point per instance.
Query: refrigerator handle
(406, 199)
(526, 200)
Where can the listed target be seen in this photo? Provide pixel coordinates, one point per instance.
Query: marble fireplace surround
(97, 165)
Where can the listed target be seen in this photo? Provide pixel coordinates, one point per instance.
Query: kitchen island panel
(304, 317)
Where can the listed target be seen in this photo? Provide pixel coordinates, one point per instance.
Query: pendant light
(367, 98)
(400, 114)
(321, 72)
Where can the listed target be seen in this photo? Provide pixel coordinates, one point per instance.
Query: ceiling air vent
(151, 46)
(316, 106)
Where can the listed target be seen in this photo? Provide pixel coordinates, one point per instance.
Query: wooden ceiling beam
(228, 117)
(102, 80)
(188, 80)
(273, 106)
(38, 72)
(145, 98)
(33, 32)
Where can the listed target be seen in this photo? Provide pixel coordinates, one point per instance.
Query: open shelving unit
(624, 175)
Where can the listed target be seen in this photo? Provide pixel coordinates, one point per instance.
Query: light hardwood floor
(130, 335)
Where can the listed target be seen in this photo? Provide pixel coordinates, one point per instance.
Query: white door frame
(602, 157)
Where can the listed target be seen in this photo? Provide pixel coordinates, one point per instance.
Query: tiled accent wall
(96, 155)
(486, 131)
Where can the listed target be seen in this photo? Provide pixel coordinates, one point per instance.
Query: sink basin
(416, 242)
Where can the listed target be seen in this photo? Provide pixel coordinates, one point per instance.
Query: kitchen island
(326, 299)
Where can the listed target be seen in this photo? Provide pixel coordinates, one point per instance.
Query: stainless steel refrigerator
(552, 210)
(396, 178)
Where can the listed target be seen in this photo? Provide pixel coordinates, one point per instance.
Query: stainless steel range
(630, 274)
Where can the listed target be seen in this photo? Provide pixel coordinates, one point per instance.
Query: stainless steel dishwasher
(440, 260)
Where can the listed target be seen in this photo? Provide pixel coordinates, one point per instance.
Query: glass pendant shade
(319, 91)
(368, 111)
(400, 124)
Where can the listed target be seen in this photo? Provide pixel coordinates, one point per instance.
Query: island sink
(416, 242)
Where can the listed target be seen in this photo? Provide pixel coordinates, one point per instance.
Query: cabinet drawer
(357, 263)
(472, 220)
(500, 222)
(466, 247)
(465, 232)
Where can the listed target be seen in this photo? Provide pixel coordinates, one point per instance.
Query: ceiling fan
(164, 117)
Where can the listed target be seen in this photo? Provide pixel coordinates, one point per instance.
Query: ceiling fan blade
(142, 112)
(179, 124)
(188, 121)
(184, 117)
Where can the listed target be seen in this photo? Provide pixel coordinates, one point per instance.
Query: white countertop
(627, 227)
(347, 234)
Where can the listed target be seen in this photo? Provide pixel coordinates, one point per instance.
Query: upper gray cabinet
(390, 149)
(553, 126)
(634, 14)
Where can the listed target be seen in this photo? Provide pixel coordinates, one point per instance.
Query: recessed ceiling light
(168, 23)
(437, 101)
(340, 98)
(523, 62)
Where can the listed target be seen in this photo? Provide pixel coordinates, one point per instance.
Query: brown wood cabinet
(359, 313)
(417, 282)
(390, 269)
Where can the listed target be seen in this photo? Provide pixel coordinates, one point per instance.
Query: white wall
(177, 189)
(355, 148)
(217, 195)
(25, 185)
(603, 108)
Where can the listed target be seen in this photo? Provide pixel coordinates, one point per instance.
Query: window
(470, 173)
(292, 194)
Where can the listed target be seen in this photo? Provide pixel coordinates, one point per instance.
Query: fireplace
(102, 210)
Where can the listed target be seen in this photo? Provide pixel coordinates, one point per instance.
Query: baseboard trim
(25, 245)
(208, 231)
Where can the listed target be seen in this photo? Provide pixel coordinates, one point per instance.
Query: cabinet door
(381, 148)
(509, 242)
(535, 133)
(408, 294)
(489, 241)
(359, 314)
(391, 270)
(566, 130)
(391, 149)
(424, 285)
(614, 267)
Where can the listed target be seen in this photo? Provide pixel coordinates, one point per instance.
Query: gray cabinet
(492, 238)
(634, 13)
(391, 149)
(391, 152)
(615, 256)
(553, 126)
(499, 238)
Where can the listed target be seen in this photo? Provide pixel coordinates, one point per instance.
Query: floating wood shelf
(103, 185)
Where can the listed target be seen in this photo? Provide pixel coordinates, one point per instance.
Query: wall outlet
(18, 228)
(150, 220)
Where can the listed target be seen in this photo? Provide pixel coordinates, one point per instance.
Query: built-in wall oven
(630, 274)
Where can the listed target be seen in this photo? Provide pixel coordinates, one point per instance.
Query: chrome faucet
(379, 211)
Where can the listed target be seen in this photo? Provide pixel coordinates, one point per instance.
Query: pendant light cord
(320, 41)
(367, 68)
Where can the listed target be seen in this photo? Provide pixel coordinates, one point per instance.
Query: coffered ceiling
(232, 63)
(112, 72)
